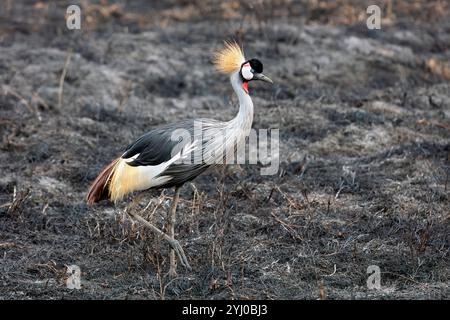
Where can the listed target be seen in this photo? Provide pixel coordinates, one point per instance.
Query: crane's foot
(178, 250)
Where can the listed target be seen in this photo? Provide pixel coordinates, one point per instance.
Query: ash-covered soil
(364, 120)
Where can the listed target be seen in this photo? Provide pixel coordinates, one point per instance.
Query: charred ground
(364, 149)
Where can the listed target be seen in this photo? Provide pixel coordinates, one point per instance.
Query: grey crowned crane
(159, 158)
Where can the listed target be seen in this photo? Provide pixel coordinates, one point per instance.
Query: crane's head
(231, 60)
(252, 70)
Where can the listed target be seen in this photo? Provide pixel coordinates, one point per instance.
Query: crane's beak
(260, 76)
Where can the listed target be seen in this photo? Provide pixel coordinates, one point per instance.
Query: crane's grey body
(157, 146)
(210, 139)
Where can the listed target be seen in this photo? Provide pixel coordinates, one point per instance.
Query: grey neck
(244, 118)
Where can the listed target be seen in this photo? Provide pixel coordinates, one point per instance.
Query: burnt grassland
(364, 119)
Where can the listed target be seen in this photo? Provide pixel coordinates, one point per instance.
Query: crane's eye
(246, 72)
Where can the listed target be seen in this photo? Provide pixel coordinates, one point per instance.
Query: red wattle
(245, 86)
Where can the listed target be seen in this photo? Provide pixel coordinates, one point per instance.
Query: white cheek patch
(246, 72)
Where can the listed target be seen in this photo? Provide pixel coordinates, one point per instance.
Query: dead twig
(38, 99)
(7, 245)
(401, 276)
(125, 95)
(333, 273)
(62, 78)
(291, 202)
(18, 199)
(288, 227)
(7, 90)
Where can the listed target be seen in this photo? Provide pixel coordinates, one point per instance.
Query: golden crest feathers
(229, 59)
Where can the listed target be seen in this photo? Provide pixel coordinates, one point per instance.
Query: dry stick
(61, 79)
(7, 90)
(6, 245)
(171, 230)
(286, 226)
(37, 97)
(292, 203)
(125, 96)
(401, 276)
(173, 243)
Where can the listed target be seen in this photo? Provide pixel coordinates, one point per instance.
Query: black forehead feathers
(256, 65)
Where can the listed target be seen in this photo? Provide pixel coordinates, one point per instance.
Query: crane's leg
(172, 217)
(176, 250)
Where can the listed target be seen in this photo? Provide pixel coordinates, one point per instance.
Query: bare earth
(364, 120)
